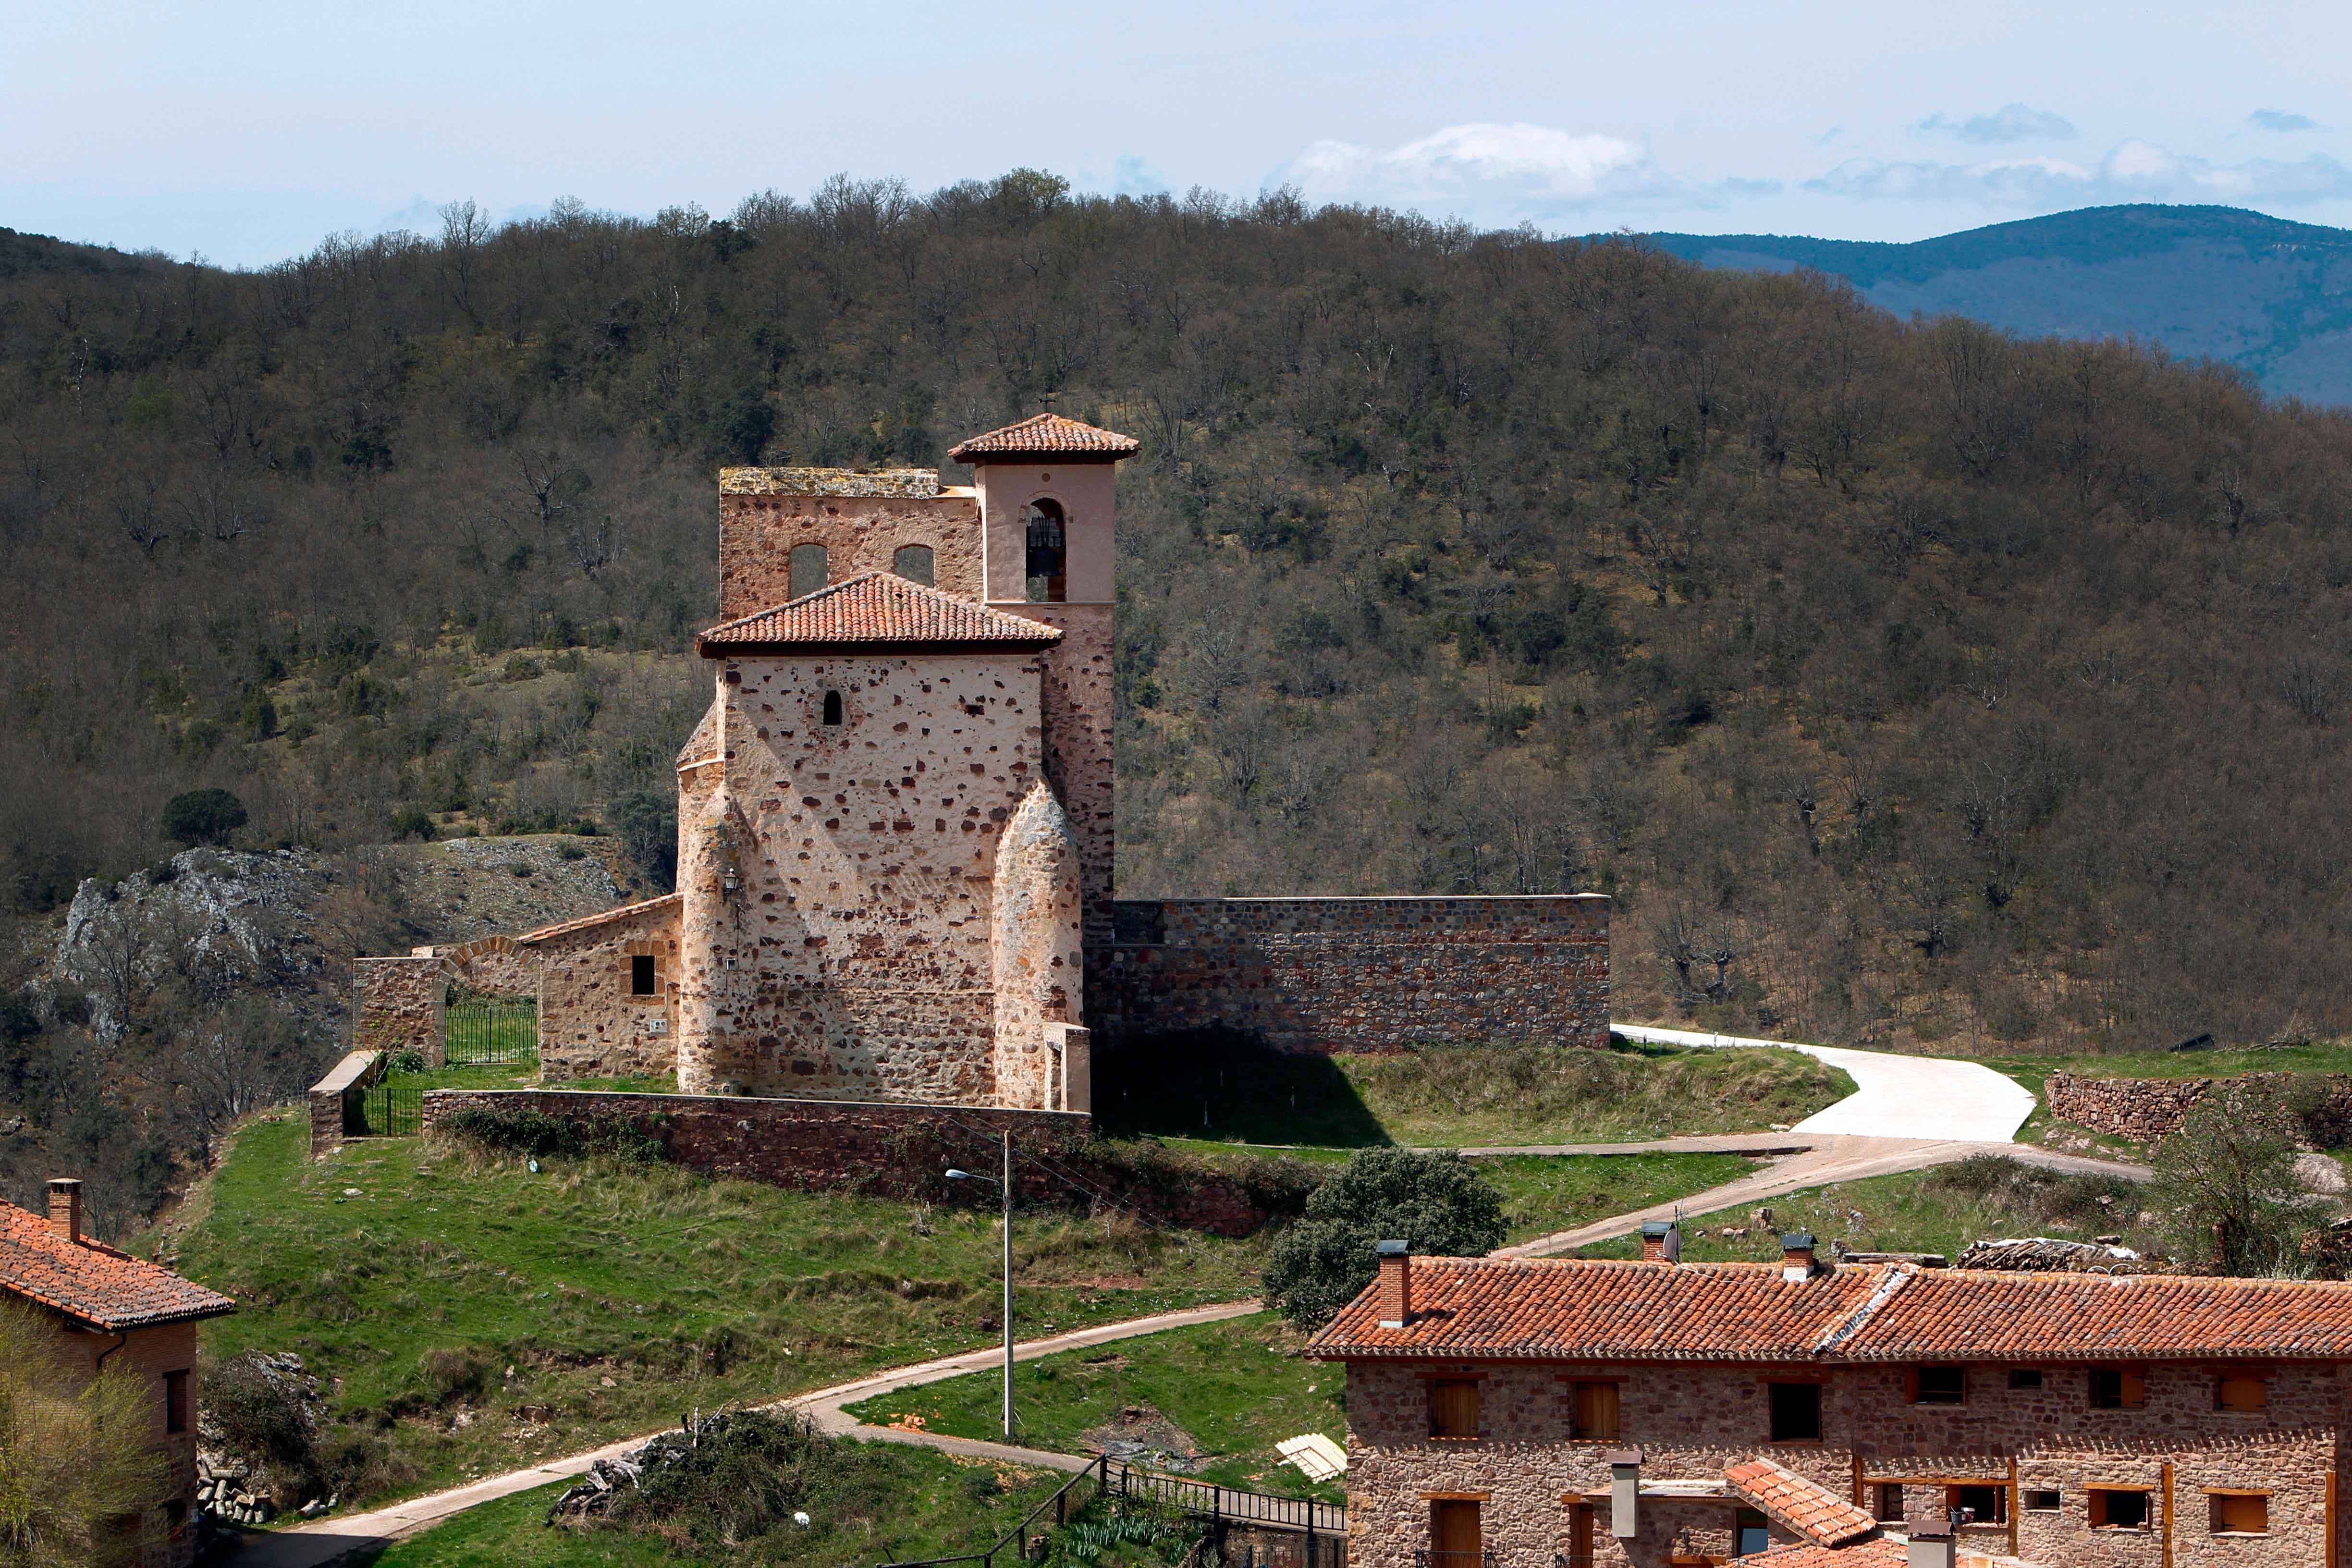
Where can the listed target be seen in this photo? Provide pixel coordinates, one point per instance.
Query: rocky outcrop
(2145, 1109)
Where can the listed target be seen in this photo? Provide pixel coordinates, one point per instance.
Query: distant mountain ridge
(2272, 297)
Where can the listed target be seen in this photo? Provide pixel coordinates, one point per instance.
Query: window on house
(2239, 1513)
(808, 570)
(1937, 1384)
(1595, 1414)
(833, 707)
(1890, 1501)
(1749, 1532)
(1978, 1505)
(1454, 1407)
(1456, 1535)
(175, 1402)
(2242, 1394)
(641, 975)
(1048, 553)
(913, 561)
(175, 1517)
(2114, 1508)
(2044, 1501)
(2117, 1388)
(1796, 1412)
(2025, 1377)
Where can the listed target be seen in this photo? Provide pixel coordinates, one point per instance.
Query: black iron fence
(384, 1111)
(1323, 1525)
(491, 1030)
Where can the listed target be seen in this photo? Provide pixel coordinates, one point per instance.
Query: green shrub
(455, 1373)
(516, 1130)
(203, 817)
(1437, 1201)
(404, 1061)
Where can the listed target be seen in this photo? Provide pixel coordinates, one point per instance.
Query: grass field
(1234, 1388)
(476, 1316)
(1939, 1210)
(1220, 1088)
(936, 1510)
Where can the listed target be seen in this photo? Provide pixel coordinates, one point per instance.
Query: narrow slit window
(808, 570)
(175, 1402)
(641, 975)
(913, 561)
(1048, 553)
(833, 707)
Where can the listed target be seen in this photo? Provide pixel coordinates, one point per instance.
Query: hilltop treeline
(1904, 682)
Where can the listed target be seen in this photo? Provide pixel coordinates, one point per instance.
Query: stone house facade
(110, 1310)
(1598, 1414)
(896, 832)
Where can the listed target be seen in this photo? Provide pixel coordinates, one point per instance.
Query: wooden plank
(2167, 1513)
(1857, 1484)
(2016, 1504)
(2331, 1519)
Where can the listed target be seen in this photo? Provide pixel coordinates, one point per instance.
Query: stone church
(896, 833)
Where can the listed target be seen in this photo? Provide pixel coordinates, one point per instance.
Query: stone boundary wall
(1358, 974)
(876, 1148)
(396, 1006)
(2145, 1109)
(332, 1093)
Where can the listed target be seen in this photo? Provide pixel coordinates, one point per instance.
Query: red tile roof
(1795, 1503)
(91, 1282)
(1047, 436)
(1591, 1310)
(870, 608)
(1880, 1553)
(602, 916)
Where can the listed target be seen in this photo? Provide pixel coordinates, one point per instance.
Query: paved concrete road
(1932, 1097)
(322, 1542)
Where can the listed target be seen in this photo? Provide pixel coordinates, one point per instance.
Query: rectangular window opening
(2239, 1513)
(1796, 1412)
(1890, 1502)
(2117, 1388)
(175, 1402)
(641, 975)
(1750, 1533)
(2025, 1377)
(1978, 1505)
(2241, 1392)
(2115, 1508)
(1939, 1384)
(2044, 1501)
(1452, 1407)
(1597, 1411)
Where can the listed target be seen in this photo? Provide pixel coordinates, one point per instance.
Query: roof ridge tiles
(874, 607)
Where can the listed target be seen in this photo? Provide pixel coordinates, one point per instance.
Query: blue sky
(247, 130)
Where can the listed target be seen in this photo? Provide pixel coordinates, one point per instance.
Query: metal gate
(384, 1111)
(492, 1031)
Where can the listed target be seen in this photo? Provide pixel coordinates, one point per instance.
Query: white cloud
(1493, 172)
(2134, 171)
(2011, 122)
(1131, 177)
(2280, 120)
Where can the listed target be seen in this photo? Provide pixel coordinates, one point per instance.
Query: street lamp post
(1004, 1188)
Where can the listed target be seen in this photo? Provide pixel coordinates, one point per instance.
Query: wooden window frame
(2094, 1508)
(2056, 1505)
(1999, 1491)
(1576, 1387)
(2215, 1498)
(2129, 1379)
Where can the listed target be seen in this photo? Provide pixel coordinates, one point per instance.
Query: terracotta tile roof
(1795, 1503)
(1880, 1553)
(602, 916)
(1044, 436)
(875, 607)
(92, 1283)
(1588, 1310)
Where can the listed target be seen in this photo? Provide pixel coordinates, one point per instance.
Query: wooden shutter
(1455, 1529)
(2245, 1394)
(1454, 1407)
(1596, 1409)
(2134, 1386)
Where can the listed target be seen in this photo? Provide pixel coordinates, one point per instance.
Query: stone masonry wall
(1692, 1421)
(1358, 974)
(894, 1150)
(329, 1095)
(396, 1006)
(590, 1023)
(860, 533)
(852, 958)
(2145, 1109)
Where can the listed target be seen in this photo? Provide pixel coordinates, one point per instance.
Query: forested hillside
(1903, 683)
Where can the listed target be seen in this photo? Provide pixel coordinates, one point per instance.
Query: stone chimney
(1798, 1263)
(65, 1208)
(1393, 1291)
(1662, 1241)
(1932, 1545)
(1624, 1493)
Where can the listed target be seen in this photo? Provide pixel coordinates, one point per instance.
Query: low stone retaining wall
(2145, 1109)
(332, 1093)
(889, 1149)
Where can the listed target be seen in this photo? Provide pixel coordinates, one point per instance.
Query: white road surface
(1895, 1096)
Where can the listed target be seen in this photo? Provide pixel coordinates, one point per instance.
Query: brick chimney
(1798, 1263)
(1662, 1241)
(1932, 1545)
(1393, 1292)
(65, 1208)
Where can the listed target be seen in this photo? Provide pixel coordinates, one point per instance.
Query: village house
(109, 1309)
(896, 836)
(1591, 1413)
